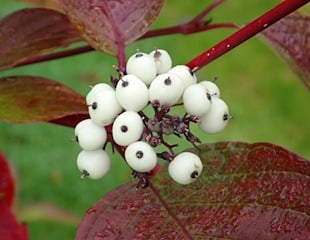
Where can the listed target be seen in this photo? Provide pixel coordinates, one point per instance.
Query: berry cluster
(117, 116)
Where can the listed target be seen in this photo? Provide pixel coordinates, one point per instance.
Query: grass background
(267, 101)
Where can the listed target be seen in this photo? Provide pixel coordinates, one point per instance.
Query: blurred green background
(267, 101)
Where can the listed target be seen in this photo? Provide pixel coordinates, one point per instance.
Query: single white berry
(89, 135)
(132, 93)
(185, 168)
(162, 59)
(216, 119)
(104, 107)
(211, 88)
(98, 88)
(93, 164)
(196, 100)
(141, 157)
(185, 74)
(127, 128)
(143, 66)
(166, 88)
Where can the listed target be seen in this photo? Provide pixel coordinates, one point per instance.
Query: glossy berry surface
(127, 128)
(141, 157)
(216, 119)
(166, 88)
(93, 164)
(89, 135)
(143, 66)
(185, 168)
(132, 93)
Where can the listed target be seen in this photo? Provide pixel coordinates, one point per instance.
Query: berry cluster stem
(249, 30)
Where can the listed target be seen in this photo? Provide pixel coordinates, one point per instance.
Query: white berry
(104, 107)
(162, 59)
(216, 119)
(127, 128)
(89, 135)
(93, 164)
(166, 88)
(143, 66)
(98, 88)
(132, 93)
(185, 74)
(141, 157)
(211, 88)
(185, 168)
(196, 100)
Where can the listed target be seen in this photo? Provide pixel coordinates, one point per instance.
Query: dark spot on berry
(209, 96)
(84, 174)
(76, 138)
(194, 174)
(225, 117)
(191, 72)
(94, 105)
(139, 154)
(124, 128)
(157, 54)
(125, 83)
(167, 81)
(138, 55)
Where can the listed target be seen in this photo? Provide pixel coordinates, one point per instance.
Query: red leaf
(107, 24)
(10, 229)
(34, 99)
(70, 120)
(289, 38)
(6, 183)
(246, 191)
(30, 32)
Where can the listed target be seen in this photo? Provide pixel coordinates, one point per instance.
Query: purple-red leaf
(30, 32)
(10, 229)
(108, 24)
(290, 39)
(35, 99)
(6, 182)
(246, 191)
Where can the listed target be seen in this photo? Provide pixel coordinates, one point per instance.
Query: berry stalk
(249, 30)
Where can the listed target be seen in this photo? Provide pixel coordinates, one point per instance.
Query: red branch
(246, 32)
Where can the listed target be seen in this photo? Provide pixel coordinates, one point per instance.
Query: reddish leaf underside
(290, 39)
(6, 182)
(10, 229)
(26, 99)
(29, 32)
(106, 25)
(246, 191)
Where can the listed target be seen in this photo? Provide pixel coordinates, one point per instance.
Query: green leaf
(289, 38)
(25, 99)
(29, 32)
(246, 191)
(106, 25)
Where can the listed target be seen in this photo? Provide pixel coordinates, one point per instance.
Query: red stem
(53, 56)
(249, 30)
(208, 9)
(187, 28)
